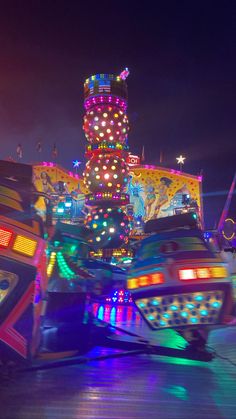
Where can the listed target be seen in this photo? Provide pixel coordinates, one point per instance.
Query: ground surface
(141, 386)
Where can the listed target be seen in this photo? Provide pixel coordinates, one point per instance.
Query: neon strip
(145, 280)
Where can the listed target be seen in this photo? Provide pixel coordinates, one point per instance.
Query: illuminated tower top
(106, 89)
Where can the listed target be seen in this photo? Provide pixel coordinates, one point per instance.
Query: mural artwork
(156, 192)
(63, 190)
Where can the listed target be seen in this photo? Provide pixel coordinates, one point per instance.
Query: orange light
(24, 245)
(145, 280)
(5, 237)
(203, 273)
(157, 278)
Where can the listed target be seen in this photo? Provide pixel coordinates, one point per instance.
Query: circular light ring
(97, 179)
(112, 227)
(232, 235)
(106, 123)
(107, 198)
(111, 100)
(106, 146)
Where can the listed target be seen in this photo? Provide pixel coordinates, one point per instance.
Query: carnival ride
(69, 244)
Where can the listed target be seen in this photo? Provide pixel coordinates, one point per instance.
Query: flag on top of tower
(19, 151)
(54, 151)
(39, 146)
(143, 154)
(124, 74)
(161, 156)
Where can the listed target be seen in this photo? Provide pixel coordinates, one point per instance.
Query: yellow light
(116, 115)
(98, 239)
(109, 184)
(97, 176)
(108, 130)
(51, 264)
(111, 138)
(105, 115)
(132, 283)
(101, 134)
(233, 233)
(113, 167)
(96, 169)
(219, 272)
(24, 245)
(96, 127)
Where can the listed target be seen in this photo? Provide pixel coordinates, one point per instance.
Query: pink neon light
(48, 164)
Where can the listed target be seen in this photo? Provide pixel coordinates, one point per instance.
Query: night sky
(182, 93)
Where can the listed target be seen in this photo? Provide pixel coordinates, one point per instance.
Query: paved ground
(131, 387)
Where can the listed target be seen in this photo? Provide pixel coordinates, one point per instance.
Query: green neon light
(64, 269)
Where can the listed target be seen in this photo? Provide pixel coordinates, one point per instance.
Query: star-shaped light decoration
(180, 159)
(76, 163)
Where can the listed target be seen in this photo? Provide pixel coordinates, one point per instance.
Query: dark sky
(182, 90)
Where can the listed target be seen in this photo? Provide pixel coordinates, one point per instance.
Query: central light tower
(106, 174)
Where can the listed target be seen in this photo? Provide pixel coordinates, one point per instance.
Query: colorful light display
(120, 296)
(110, 226)
(196, 308)
(106, 123)
(106, 174)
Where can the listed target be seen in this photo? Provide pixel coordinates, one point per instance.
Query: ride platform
(109, 383)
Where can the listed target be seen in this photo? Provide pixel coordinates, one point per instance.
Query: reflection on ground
(132, 387)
